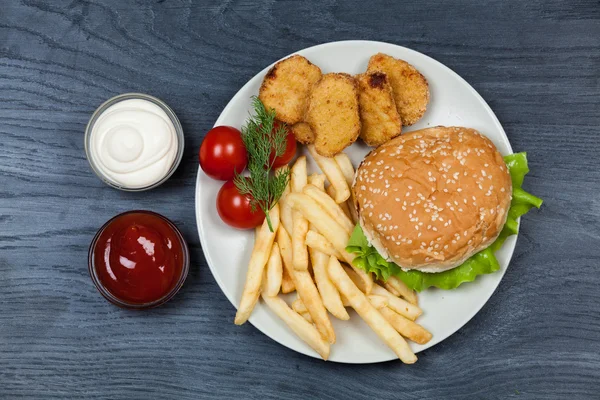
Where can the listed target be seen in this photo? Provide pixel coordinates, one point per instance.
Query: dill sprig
(260, 139)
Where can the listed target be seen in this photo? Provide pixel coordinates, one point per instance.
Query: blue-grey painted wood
(536, 62)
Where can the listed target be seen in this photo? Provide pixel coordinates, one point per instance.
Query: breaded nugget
(410, 88)
(286, 88)
(378, 114)
(333, 113)
(303, 133)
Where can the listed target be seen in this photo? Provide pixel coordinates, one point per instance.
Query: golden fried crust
(378, 114)
(410, 88)
(333, 113)
(303, 133)
(286, 88)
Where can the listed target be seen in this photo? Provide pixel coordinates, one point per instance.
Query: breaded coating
(378, 114)
(303, 133)
(410, 88)
(333, 113)
(286, 88)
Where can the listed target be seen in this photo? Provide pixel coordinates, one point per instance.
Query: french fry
(287, 284)
(329, 205)
(327, 290)
(352, 210)
(298, 177)
(300, 225)
(369, 313)
(345, 301)
(299, 250)
(274, 272)
(378, 302)
(348, 171)
(347, 206)
(397, 304)
(298, 306)
(306, 289)
(391, 289)
(286, 211)
(307, 317)
(403, 290)
(343, 161)
(407, 328)
(346, 210)
(329, 228)
(284, 208)
(305, 330)
(317, 180)
(317, 241)
(258, 260)
(322, 221)
(335, 176)
(356, 279)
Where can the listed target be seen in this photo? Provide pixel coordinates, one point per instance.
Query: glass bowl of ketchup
(138, 260)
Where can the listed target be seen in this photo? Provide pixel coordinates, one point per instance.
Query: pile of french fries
(307, 253)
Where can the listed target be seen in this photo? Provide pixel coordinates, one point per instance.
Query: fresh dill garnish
(262, 136)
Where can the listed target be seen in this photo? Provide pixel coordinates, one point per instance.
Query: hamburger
(430, 202)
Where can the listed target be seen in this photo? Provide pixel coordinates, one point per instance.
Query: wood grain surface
(537, 63)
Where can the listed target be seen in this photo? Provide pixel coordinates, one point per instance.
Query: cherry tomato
(222, 153)
(234, 208)
(290, 149)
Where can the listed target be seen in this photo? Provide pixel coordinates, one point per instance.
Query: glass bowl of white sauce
(134, 142)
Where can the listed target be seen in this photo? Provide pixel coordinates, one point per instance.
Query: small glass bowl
(128, 96)
(139, 306)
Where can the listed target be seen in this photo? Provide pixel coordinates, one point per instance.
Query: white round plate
(453, 103)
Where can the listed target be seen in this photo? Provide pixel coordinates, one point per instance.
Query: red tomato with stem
(223, 153)
(235, 210)
(290, 148)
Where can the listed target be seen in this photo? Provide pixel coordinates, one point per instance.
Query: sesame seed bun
(430, 199)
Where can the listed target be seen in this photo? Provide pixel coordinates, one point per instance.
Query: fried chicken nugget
(286, 87)
(410, 88)
(303, 133)
(378, 114)
(333, 113)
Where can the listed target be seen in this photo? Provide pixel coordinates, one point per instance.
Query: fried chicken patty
(410, 88)
(379, 116)
(286, 88)
(333, 113)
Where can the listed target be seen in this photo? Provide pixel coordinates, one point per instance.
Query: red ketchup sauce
(139, 257)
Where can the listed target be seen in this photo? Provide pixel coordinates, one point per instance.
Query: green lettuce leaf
(484, 262)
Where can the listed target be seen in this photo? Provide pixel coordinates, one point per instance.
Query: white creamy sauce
(133, 143)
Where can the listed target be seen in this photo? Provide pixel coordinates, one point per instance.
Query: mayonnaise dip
(133, 143)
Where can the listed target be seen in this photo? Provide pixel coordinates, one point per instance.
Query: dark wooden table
(537, 63)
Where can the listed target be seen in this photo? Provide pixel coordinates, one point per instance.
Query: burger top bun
(430, 199)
